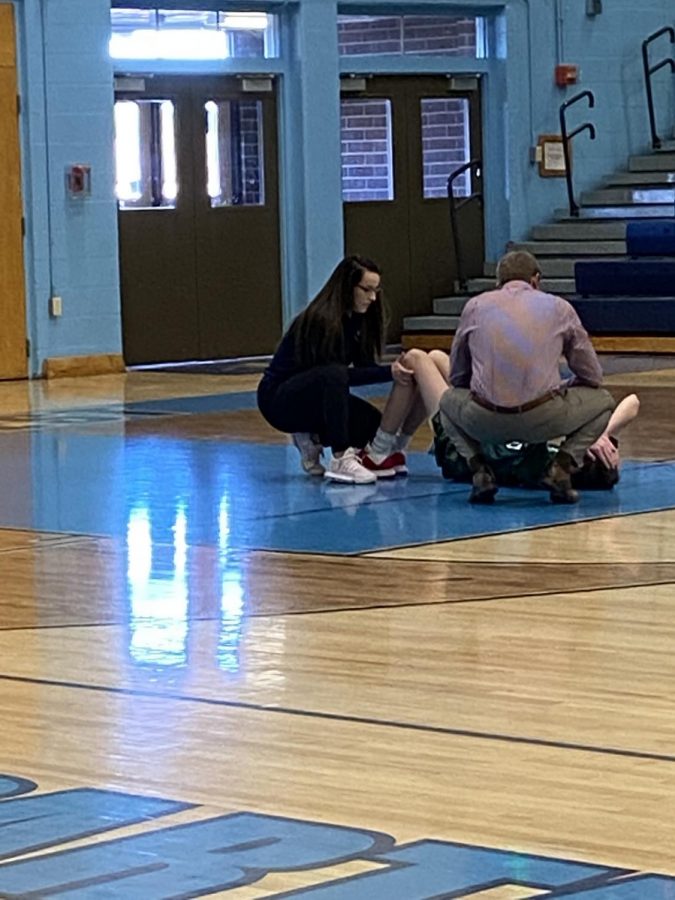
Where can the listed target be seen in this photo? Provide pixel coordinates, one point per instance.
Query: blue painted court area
(218, 853)
(255, 496)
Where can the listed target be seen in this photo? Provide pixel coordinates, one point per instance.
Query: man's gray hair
(517, 265)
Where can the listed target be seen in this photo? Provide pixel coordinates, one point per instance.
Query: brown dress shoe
(484, 483)
(558, 480)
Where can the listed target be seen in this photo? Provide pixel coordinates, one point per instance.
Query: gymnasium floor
(222, 678)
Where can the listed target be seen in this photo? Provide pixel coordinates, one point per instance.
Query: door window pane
(445, 145)
(367, 152)
(419, 35)
(145, 154)
(234, 153)
(249, 34)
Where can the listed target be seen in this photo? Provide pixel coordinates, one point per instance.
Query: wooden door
(199, 219)
(402, 136)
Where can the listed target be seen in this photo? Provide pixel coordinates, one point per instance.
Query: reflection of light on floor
(158, 597)
(231, 596)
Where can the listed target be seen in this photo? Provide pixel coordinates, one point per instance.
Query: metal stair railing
(567, 137)
(657, 143)
(455, 206)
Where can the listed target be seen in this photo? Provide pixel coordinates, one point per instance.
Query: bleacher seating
(634, 277)
(626, 315)
(650, 238)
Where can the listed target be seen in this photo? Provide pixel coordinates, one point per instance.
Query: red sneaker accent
(392, 465)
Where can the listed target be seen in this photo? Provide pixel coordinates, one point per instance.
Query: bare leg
(402, 399)
(409, 405)
(442, 362)
(431, 384)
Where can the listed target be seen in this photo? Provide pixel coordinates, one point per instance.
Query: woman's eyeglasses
(370, 290)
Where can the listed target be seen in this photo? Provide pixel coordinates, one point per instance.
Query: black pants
(318, 401)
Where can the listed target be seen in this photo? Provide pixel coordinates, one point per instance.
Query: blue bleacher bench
(626, 278)
(651, 238)
(627, 315)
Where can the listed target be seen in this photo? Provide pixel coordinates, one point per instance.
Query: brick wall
(445, 144)
(250, 113)
(367, 171)
(407, 34)
(366, 152)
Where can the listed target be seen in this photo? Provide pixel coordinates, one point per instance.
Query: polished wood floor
(510, 691)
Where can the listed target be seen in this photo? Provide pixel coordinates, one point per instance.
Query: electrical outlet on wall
(55, 306)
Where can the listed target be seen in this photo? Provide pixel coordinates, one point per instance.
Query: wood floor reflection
(509, 691)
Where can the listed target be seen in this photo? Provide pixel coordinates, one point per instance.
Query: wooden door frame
(13, 335)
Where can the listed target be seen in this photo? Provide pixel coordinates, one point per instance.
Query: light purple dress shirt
(509, 342)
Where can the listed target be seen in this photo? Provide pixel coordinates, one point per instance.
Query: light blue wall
(71, 246)
(67, 95)
(607, 48)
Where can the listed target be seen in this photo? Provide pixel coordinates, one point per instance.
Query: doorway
(402, 136)
(197, 187)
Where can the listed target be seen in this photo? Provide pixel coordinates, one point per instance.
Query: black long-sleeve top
(284, 363)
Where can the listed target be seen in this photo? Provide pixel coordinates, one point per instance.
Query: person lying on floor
(514, 464)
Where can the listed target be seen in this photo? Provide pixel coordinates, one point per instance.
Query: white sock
(382, 445)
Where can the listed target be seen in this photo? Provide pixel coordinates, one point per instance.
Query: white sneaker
(310, 453)
(348, 469)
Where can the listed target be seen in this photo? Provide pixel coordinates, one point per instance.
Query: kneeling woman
(332, 345)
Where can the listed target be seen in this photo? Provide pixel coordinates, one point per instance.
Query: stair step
(615, 196)
(550, 285)
(653, 162)
(571, 248)
(430, 323)
(450, 306)
(653, 179)
(580, 230)
(653, 211)
(553, 267)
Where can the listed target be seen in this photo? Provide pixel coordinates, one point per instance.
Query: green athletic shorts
(515, 465)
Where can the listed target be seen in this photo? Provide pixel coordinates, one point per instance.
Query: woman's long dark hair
(318, 329)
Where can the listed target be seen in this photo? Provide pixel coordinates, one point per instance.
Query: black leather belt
(524, 407)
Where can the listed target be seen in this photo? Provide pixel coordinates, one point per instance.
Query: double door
(401, 139)
(197, 188)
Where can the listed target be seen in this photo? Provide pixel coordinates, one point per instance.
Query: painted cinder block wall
(607, 48)
(67, 91)
(71, 245)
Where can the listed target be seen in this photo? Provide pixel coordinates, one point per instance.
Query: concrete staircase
(645, 190)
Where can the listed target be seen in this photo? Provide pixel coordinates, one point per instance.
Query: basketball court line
(341, 717)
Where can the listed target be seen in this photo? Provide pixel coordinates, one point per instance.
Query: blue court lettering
(33, 823)
(644, 887)
(188, 860)
(428, 869)
(210, 855)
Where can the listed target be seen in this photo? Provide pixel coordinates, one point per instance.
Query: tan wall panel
(12, 290)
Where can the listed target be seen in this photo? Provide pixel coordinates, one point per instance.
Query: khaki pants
(578, 414)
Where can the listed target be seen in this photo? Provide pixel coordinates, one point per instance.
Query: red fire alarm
(78, 180)
(566, 73)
